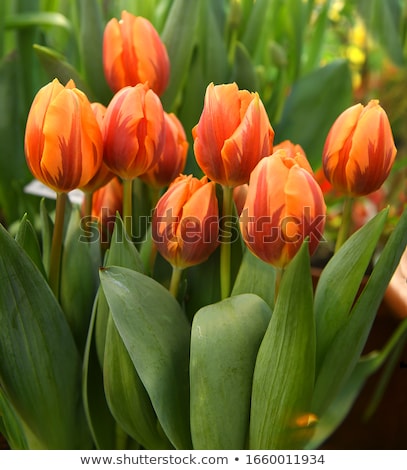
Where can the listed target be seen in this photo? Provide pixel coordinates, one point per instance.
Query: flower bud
(185, 224)
(359, 150)
(173, 157)
(284, 205)
(133, 131)
(134, 53)
(63, 142)
(233, 134)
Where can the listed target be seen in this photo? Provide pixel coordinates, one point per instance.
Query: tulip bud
(294, 151)
(173, 157)
(106, 202)
(359, 150)
(134, 53)
(63, 142)
(185, 224)
(133, 131)
(104, 175)
(233, 134)
(284, 205)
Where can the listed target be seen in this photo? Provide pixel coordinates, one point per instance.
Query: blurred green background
(308, 60)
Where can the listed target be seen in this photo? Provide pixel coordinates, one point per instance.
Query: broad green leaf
(27, 239)
(79, 278)
(122, 252)
(100, 421)
(346, 347)
(285, 368)
(56, 66)
(179, 37)
(10, 425)
(341, 405)
(91, 45)
(340, 281)
(256, 277)
(42, 358)
(225, 339)
(127, 396)
(306, 117)
(156, 334)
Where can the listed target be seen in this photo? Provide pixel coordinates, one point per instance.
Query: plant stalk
(226, 246)
(56, 246)
(128, 206)
(345, 226)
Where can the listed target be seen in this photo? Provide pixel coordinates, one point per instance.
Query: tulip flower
(173, 157)
(133, 135)
(284, 205)
(233, 134)
(63, 148)
(133, 131)
(134, 53)
(106, 201)
(63, 142)
(359, 150)
(185, 224)
(294, 151)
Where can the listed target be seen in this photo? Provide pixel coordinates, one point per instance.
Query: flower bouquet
(173, 309)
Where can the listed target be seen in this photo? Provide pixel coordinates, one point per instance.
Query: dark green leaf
(156, 334)
(42, 359)
(224, 342)
(306, 117)
(340, 281)
(27, 239)
(348, 343)
(285, 367)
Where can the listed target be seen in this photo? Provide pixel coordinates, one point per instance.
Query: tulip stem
(56, 246)
(226, 246)
(344, 228)
(175, 280)
(128, 206)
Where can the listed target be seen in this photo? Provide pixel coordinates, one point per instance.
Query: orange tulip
(284, 205)
(104, 175)
(133, 131)
(63, 142)
(294, 151)
(173, 158)
(185, 222)
(233, 134)
(134, 53)
(359, 150)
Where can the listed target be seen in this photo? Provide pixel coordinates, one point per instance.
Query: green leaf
(47, 228)
(285, 367)
(346, 347)
(57, 67)
(306, 117)
(79, 278)
(126, 395)
(340, 281)
(91, 44)
(244, 73)
(100, 421)
(341, 405)
(10, 425)
(225, 339)
(38, 18)
(256, 277)
(179, 37)
(122, 252)
(42, 374)
(27, 239)
(156, 334)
